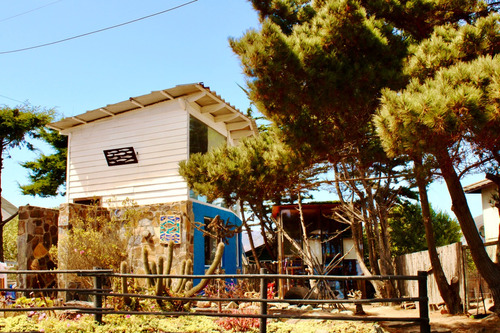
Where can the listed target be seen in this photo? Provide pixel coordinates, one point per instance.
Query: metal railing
(99, 293)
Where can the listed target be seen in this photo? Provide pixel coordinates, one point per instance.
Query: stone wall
(143, 231)
(146, 234)
(40, 228)
(37, 233)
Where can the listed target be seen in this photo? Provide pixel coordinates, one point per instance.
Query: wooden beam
(166, 94)
(226, 117)
(196, 96)
(133, 101)
(182, 103)
(107, 112)
(237, 126)
(212, 107)
(241, 134)
(79, 120)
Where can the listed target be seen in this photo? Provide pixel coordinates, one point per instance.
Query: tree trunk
(250, 237)
(449, 292)
(486, 267)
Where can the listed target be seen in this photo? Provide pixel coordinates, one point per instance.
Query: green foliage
(48, 172)
(407, 230)
(264, 164)
(39, 322)
(16, 127)
(318, 77)
(10, 231)
(21, 123)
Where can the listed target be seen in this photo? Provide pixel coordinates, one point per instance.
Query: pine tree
(317, 69)
(16, 126)
(449, 113)
(48, 172)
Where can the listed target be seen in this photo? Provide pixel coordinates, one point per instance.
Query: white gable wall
(490, 214)
(158, 133)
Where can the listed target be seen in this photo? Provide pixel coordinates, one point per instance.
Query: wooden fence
(410, 264)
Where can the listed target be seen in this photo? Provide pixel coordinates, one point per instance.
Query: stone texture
(34, 241)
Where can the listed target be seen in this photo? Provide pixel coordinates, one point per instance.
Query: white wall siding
(158, 134)
(490, 214)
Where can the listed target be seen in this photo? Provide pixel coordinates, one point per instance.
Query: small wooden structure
(329, 240)
(131, 150)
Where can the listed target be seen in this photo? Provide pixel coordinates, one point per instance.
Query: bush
(10, 231)
(97, 240)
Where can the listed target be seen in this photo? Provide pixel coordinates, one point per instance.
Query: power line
(100, 30)
(29, 11)
(12, 99)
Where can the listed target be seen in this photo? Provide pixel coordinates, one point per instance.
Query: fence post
(423, 303)
(98, 296)
(263, 305)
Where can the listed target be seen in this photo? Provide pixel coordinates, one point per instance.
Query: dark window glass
(198, 136)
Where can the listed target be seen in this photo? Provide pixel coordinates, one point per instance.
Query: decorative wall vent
(120, 156)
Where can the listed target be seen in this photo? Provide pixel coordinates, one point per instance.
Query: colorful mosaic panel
(170, 229)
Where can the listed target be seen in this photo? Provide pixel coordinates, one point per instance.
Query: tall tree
(17, 125)
(317, 68)
(449, 112)
(48, 172)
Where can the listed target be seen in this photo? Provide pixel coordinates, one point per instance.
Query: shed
(131, 150)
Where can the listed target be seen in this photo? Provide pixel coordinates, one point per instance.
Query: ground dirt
(440, 322)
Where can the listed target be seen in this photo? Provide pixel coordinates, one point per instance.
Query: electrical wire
(29, 11)
(12, 99)
(100, 30)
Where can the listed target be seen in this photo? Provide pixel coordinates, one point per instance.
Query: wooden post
(263, 305)
(98, 297)
(423, 303)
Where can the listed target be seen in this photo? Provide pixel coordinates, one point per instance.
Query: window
(95, 201)
(202, 139)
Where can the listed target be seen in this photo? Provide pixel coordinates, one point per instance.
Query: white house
(131, 149)
(491, 219)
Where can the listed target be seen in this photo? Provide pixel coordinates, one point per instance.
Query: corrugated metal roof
(478, 186)
(208, 102)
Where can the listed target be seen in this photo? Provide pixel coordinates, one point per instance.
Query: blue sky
(184, 45)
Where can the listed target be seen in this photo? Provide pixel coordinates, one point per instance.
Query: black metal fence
(99, 293)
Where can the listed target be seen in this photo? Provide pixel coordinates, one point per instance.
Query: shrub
(96, 240)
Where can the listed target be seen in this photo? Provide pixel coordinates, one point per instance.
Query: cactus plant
(123, 270)
(183, 287)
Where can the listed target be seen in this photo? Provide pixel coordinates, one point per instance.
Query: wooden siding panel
(159, 134)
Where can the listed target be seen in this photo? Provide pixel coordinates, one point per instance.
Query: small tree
(407, 234)
(17, 125)
(255, 173)
(48, 172)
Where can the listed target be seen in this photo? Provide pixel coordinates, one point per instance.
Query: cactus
(170, 255)
(203, 283)
(160, 281)
(183, 287)
(123, 270)
(147, 268)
